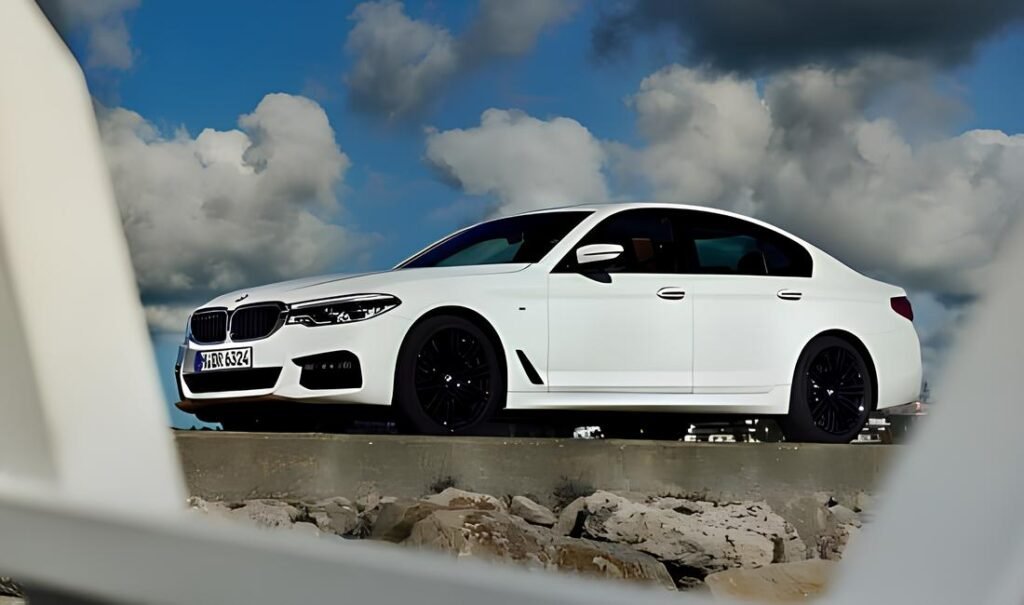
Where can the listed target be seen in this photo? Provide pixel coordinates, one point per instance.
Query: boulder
(334, 515)
(266, 513)
(454, 497)
(705, 538)
(495, 535)
(531, 512)
(9, 588)
(395, 520)
(215, 509)
(841, 527)
(777, 583)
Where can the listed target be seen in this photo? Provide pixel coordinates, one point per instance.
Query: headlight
(341, 310)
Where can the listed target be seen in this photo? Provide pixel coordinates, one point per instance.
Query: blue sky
(198, 65)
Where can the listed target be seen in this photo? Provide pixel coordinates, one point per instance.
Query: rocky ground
(672, 541)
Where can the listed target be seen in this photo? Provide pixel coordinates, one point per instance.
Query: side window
(726, 245)
(647, 236)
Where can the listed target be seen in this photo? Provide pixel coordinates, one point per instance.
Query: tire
(449, 378)
(832, 394)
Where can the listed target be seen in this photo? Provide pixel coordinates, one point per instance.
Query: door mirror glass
(598, 253)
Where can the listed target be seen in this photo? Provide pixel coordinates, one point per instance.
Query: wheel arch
(861, 348)
(465, 313)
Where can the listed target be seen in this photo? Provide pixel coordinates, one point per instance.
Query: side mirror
(598, 253)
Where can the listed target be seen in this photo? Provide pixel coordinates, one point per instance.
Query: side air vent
(531, 372)
(335, 370)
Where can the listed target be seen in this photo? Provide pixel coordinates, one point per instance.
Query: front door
(626, 325)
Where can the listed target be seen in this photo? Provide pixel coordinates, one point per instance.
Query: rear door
(750, 288)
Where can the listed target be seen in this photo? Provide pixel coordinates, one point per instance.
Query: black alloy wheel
(450, 378)
(832, 393)
(836, 390)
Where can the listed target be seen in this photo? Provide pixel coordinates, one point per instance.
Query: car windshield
(517, 239)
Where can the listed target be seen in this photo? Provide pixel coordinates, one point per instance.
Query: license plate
(225, 359)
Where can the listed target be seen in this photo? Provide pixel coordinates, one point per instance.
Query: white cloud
(504, 28)
(167, 319)
(400, 62)
(103, 21)
(232, 208)
(403, 64)
(524, 162)
(804, 155)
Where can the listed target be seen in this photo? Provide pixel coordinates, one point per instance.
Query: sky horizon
(255, 142)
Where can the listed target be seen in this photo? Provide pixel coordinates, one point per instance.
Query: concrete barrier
(793, 478)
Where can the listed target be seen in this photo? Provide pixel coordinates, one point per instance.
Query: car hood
(324, 286)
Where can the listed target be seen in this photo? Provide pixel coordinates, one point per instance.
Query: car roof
(611, 206)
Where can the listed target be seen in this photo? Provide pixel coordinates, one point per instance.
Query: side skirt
(776, 401)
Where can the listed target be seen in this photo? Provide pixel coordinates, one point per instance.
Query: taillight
(901, 304)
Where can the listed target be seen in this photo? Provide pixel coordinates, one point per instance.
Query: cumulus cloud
(102, 22)
(523, 162)
(749, 36)
(226, 209)
(504, 28)
(167, 319)
(804, 155)
(402, 64)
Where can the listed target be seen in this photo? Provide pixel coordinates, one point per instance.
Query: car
(624, 307)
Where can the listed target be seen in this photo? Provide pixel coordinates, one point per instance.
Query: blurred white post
(81, 413)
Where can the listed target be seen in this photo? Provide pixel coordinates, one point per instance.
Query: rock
(9, 588)
(495, 535)
(841, 527)
(777, 583)
(531, 512)
(267, 513)
(334, 515)
(705, 539)
(453, 497)
(841, 515)
(395, 520)
(682, 505)
(215, 509)
(832, 544)
(368, 499)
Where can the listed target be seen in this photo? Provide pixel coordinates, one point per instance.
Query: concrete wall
(793, 478)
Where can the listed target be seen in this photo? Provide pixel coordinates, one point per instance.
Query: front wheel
(449, 378)
(832, 393)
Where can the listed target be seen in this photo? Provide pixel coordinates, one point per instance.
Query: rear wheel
(832, 393)
(449, 378)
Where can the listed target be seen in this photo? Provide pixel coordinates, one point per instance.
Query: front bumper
(367, 349)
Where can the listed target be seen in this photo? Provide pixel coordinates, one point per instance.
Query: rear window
(726, 245)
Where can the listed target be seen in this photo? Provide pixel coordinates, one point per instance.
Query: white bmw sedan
(619, 307)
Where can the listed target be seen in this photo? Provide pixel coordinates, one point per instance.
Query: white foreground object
(82, 412)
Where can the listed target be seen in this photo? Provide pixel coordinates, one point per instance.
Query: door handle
(790, 295)
(672, 293)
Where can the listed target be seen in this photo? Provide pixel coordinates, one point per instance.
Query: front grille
(209, 326)
(256, 321)
(232, 380)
